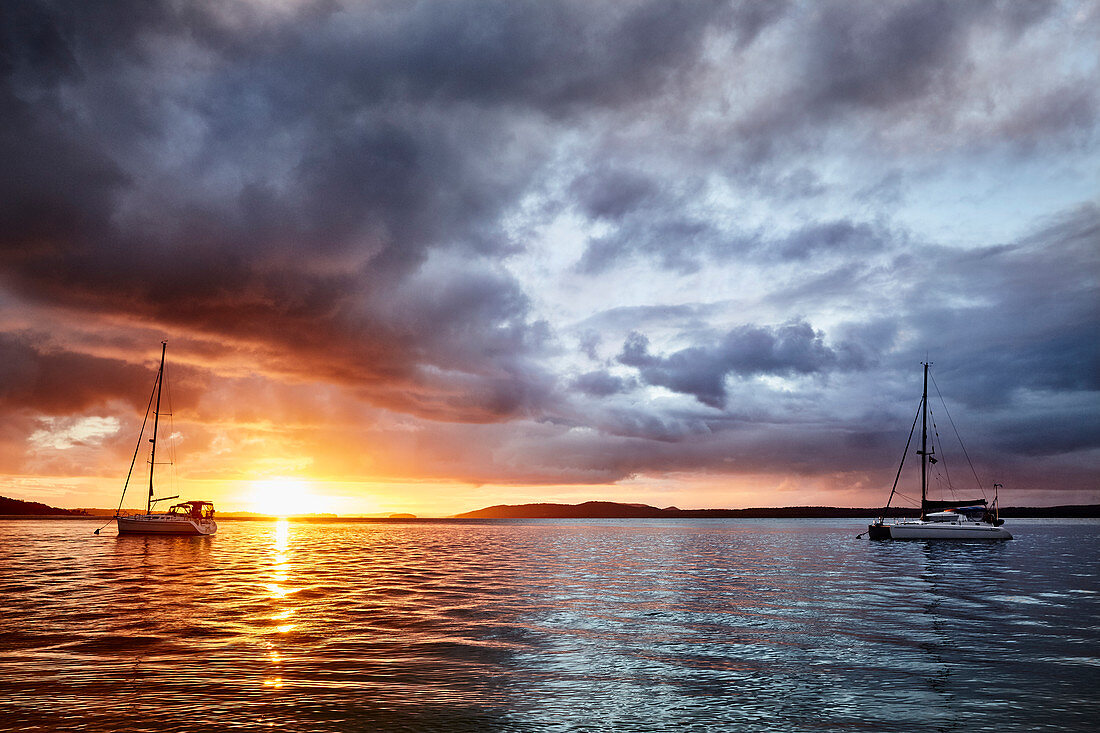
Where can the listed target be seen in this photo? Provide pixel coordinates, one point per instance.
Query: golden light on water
(282, 541)
(280, 567)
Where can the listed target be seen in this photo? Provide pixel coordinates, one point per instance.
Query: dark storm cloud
(549, 55)
(1033, 324)
(791, 349)
(918, 60)
(283, 176)
(36, 375)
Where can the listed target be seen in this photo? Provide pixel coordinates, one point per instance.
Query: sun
(283, 497)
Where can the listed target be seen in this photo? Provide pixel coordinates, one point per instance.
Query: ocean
(548, 625)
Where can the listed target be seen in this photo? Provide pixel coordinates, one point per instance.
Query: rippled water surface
(784, 625)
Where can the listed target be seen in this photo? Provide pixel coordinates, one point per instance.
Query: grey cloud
(791, 349)
(1032, 323)
(589, 343)
(684, 317)
(551, 56)
(872, 55)
(37, 375)
(908, 80)
(683, 244)
(610, 194)
(675, 242)
(1071, 110)
(599, 384)
(828, 237)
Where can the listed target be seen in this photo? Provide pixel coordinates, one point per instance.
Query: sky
(431, 256)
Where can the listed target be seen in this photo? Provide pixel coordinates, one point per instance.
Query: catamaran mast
(924, 444)
(156, 419)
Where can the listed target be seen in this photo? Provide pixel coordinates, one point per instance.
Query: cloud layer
(553, 242)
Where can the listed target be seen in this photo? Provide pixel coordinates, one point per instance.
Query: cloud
(37, 374)
(62, 435)
(286, 178)
(1030, 323)
(791, 349)
(599, 383)
(959, 75)
(831, 237)
(420, 211)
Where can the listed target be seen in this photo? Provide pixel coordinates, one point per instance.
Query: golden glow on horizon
(283, 497)
(375, 497)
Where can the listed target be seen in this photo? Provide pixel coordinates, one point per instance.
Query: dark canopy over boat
(928, 505)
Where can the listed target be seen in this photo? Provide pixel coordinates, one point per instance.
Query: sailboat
(969, 519)
(186, 518)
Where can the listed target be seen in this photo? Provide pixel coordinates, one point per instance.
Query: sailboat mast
(156, 419)
(924, 444)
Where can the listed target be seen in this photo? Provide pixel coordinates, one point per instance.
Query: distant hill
(587, 510)
(17, 506)
(616, 510)
(1067, 511)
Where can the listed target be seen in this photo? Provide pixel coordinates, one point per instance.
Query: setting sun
(283, 497)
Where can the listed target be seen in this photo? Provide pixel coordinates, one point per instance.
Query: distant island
(616, 510)
(17, 507)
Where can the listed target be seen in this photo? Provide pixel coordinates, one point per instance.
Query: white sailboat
(970, 519)
(186, 518)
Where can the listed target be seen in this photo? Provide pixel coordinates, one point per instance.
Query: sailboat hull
(937, 531)
(958, 522)
(165, 524)
(186, 519)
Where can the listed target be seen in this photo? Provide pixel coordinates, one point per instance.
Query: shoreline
(482, 520)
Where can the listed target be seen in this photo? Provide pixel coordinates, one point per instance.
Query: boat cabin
(193, 509)
(958, 514)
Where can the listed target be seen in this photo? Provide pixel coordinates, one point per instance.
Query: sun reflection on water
(280, 594)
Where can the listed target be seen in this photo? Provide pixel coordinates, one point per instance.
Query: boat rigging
(186, 518)
(964, 519)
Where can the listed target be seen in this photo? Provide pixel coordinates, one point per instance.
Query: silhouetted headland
(18, 507)
(616, 510)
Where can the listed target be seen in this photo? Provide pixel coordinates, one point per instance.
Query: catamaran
(186, 518)
(968, 519)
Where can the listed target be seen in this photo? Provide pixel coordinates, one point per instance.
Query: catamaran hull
(172, 526)
(936, 531)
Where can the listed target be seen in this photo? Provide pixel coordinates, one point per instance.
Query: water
(784, 625)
